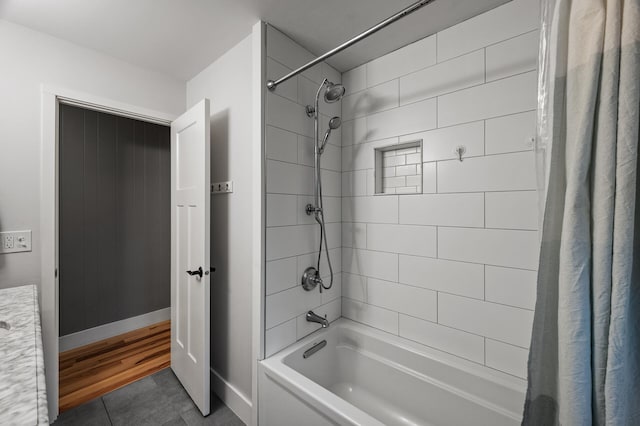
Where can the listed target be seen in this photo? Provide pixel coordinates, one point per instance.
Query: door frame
(51, 98)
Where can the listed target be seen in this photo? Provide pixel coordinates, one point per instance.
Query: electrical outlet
(8, 242)
(222, 187)
(15, 241)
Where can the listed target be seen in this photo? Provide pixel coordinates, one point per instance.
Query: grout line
(311, 137)
(444, 351)
(484, 349)
(304, 165)
(505, 343)
(473, 86)
(300, 224)
(433, 225)
(281, 323)
(500, 191)
(484, 137)
(506, 372)
(437, 62)
(429, 289)
(484, 210)
(427, 130)
(297, 284)
(484, 68)
(490, 45)
(478, 228)
(432, 322)
(436, 97)
(366, 235)
(484, 282)
(493, 154)
(442, 259)
(106, 411)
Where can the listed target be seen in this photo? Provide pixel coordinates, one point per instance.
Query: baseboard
(232, 397)
(85, 337)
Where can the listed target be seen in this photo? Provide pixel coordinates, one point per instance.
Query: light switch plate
(15, 241)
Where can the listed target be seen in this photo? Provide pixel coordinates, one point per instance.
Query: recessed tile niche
(398, 169)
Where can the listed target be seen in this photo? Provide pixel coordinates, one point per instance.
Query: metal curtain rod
(271, 85)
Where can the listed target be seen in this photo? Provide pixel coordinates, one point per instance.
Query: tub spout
(312, 317)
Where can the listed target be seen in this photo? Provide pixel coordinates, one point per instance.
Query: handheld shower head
(334, 123)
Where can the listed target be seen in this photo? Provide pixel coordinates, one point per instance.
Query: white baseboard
(232, 397)
(85, 337)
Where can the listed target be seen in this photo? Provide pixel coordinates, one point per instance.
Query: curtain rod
(271, 84)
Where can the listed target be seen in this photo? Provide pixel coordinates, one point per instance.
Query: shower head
(334, 92)
(334, 123)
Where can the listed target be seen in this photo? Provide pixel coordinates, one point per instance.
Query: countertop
(23, 396)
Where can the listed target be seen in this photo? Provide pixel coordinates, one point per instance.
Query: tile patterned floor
(158, 399)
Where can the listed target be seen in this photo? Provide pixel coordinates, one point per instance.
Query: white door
(190, 206)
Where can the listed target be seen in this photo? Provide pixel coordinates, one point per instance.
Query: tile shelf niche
(398, 169)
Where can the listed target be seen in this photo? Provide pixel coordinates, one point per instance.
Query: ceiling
(180, 38)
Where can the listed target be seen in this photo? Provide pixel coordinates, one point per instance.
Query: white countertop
(23, 397)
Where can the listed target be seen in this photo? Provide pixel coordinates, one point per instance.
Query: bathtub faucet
(312, 317)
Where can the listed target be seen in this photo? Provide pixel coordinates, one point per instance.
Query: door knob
(198, 272)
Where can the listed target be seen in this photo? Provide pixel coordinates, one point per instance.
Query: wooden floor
(93, 370)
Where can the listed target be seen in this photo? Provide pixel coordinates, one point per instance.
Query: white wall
(454, 267)
(228, 84)
(30, 59)
(292, 236)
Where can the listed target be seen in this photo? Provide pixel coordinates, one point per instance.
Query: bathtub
(363, 376)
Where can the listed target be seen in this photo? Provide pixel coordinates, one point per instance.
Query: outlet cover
(15, 241)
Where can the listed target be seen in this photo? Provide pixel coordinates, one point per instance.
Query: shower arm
(271, 84)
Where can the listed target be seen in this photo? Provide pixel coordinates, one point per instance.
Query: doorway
(114, 251)
(189, 134)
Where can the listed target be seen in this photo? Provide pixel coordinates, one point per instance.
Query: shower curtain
(584, 362)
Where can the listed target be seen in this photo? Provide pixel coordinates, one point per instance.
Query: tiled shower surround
(452, 268)
(292, 236)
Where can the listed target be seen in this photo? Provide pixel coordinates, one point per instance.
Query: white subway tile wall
(292, 236)
(453, 268)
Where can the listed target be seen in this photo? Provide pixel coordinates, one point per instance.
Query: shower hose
(319, 215)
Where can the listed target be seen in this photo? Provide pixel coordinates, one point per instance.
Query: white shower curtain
(584, 363)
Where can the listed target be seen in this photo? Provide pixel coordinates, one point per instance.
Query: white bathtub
(367, 377)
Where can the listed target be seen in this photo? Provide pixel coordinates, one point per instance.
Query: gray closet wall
(114, 218)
